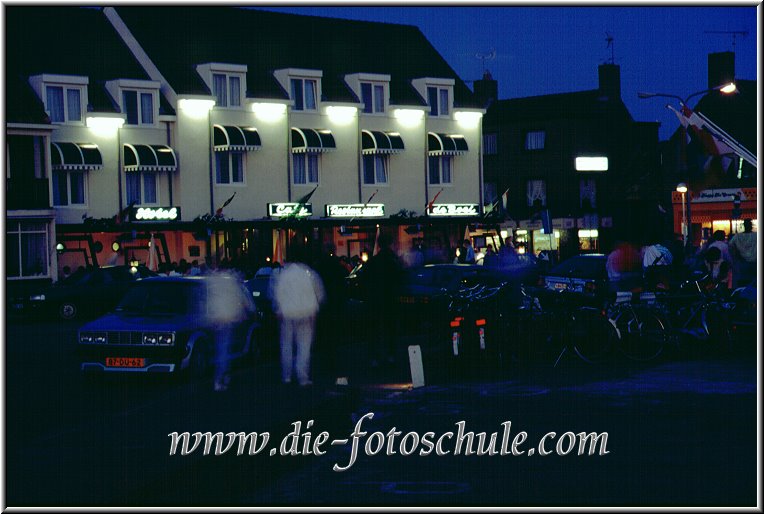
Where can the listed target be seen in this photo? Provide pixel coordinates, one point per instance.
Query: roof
(578, 105)
(266, 41)
(63, 41)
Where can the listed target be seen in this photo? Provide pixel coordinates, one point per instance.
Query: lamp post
(687, 214)
(682, 188)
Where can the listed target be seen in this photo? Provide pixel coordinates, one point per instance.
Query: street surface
(680, 432)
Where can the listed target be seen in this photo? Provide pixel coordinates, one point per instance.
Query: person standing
(297, 297)
(469, 257)
(742, 247)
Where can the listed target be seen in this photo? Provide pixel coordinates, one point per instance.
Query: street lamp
(682, 188)
(723, 88)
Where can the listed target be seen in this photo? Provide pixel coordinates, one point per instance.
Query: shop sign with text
(355, 211)
(719, 195)
(282, 210)
(155, 214)
(454, 209)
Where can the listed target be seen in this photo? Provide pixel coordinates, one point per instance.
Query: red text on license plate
(125, 362)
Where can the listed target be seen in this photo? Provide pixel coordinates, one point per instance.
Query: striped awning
(149, 158)
(75, 156)
(306, 140)
(376, 142)
(443, 144)
(229, 138)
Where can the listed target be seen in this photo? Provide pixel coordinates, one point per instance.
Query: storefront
(715, 209)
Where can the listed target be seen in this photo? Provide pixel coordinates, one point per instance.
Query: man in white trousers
(297, 297)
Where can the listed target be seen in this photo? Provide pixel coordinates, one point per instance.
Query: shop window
(26, 249)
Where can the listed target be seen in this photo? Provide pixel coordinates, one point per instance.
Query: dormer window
(373, 89)
(373, 97)
(226, 88)
(228, 83)
(64, 96)
(303, 93)
(138, 107)
(439, 94)
(438, 100)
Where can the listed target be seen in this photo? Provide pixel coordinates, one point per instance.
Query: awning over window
(312, 140)
(442, 144)
(149, 158)
(376, 142)
(228, 138)
(75, 156)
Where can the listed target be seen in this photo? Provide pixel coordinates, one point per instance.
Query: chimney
(721, 68)
(610, 81)
(486, 89)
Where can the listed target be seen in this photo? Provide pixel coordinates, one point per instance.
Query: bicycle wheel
(591, 334)
(643, 333)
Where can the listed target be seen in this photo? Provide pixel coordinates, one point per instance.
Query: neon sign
(372, 210)
(454, 209)
(282, 210)
(155, 213)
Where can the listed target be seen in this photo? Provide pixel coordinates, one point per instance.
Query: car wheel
(68, 310)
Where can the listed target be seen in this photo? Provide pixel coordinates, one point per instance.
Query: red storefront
(715, 209)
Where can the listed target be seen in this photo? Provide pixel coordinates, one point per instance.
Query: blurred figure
(623, 266)
(297, 297)
(656, 266)
(718, 269)
(223, 311)
(194, 270)
(415, 256)
(491, 260)
(65, 273)
(383, 278)
(469, 252)
(742, 247)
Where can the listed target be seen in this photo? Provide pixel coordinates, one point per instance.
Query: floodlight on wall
(269, 112)
(341, 114)
(196, 107)
(468, 119)
(591, 164)
(104, 125)
(409, 117)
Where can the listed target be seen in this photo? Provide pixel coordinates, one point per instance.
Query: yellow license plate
(125, 362)
(560, 285)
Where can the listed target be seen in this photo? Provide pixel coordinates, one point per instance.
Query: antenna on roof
(610, 45)
(734, 33)
(490, 56)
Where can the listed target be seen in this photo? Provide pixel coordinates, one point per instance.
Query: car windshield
(161, 298)
(581, 267)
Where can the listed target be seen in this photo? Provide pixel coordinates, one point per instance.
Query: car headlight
(37, 298)
(94, 338)
(160, 338)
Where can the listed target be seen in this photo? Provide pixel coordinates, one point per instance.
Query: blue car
(161, 325)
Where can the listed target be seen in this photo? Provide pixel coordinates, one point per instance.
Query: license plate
(560, 285)
(125, 362)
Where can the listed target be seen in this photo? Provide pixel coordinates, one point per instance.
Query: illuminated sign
(155, 214)
(591, 164)
(282, 210)
(454, 209)
(719, 195)
(359, 210)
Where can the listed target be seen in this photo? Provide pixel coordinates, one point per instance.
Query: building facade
(208, 145)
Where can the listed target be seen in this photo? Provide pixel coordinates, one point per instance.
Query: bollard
(415, 362)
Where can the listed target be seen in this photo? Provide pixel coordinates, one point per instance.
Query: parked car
(585, 274)
(161, 325)
(86, 293)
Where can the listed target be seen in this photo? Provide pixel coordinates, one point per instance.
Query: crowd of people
(727, 262)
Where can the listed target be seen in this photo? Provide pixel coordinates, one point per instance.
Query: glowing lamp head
(681, 187)
(728, 88)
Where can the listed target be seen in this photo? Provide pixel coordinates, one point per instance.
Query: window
(438, 100)
(25, 157)
(26, 249)
(63, 104)
(68, 188)
(535, 140)
(305, 168)
(440, 167)
(536, 193)
(489, 144)
(588, 193)
(227, 89)
(141, 187)
(229, 167)
(373, 97)
(375, 169)
(304, 94)
(139, 107)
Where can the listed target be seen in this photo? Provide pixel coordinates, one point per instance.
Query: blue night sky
(546, 50)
